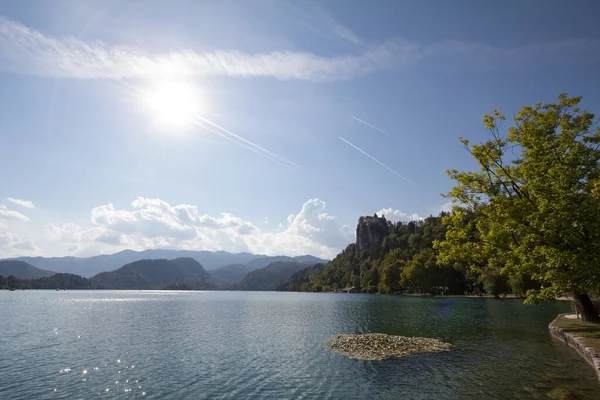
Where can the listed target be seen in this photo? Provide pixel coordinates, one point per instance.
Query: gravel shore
(378, 346)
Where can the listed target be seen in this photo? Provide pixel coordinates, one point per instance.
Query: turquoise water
(237, 345)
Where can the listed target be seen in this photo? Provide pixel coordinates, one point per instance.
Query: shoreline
(589, 354)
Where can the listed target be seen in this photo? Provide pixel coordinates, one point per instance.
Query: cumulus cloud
(12, 245)
(21, 203)
(10, 215)
(312, 222)
(154, 223)
(397, 215)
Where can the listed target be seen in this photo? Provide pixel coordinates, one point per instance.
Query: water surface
(236, 345)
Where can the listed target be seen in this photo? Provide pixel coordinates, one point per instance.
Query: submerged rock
(378, 346)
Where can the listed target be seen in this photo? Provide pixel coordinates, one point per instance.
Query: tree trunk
(586, 307)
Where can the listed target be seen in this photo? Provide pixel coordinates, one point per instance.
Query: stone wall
(586, 352)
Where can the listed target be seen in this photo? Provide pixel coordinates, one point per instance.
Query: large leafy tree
(533, 208)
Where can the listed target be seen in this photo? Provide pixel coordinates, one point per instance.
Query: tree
(533, 208)
(419, 274)
(495, 283)
(390, 274)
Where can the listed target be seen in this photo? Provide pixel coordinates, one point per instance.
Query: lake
(236, 345)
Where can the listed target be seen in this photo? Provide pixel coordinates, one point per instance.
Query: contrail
(378, 162)
(265, 151)
(241, 141)
(374, 127)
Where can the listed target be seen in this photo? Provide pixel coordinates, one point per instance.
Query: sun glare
(172, 103)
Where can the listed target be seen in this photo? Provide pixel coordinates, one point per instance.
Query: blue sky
(243, 126)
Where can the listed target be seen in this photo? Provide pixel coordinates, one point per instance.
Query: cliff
(370, 230)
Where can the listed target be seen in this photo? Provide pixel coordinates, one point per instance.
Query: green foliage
(180, 273)
(269, 277)
(404, 260)
(22, 270)
(533, 208)
(230, 274)
(393, 264)
(61, 281)
(495, 283)
(300, 281)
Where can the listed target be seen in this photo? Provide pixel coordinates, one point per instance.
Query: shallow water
(232, 345)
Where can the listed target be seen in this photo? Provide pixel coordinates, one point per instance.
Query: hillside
(271, 276)
(392, 258)
(389, 258)
(155, 274)
(264, 260)
(300, 281)
(210, 260)
(22, 270)
(91, 266)
(61, 281)
(230, 274)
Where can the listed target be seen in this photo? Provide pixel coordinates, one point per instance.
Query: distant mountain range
(180, 273)
(22, 270)
(88, 267)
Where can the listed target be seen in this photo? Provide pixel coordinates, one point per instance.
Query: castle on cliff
(370, 230)
(374, 218)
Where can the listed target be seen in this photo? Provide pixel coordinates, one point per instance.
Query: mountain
(22, 270)
(191, 268)
(300, 281)
(108, 262)
(266, 260)
(230, 274)
(156, 274)
(211, 260)
(308, 259)
(271, 276)
(61, 281)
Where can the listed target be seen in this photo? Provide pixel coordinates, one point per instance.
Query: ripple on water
(230, 345)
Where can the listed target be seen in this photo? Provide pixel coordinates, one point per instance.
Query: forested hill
(269, 277)
(56, 281)
(399, 258)
(184, 272)
(22, 270)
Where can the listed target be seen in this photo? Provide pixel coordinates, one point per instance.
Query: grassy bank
(589, 333)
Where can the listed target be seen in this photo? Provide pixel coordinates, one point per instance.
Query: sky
(266, 126)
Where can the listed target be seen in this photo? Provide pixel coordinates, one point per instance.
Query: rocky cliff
(370, 230)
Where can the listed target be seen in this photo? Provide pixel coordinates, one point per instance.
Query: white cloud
(446, 207)
(397, 215)
(10, 215)
(11, 245)
(312, 222)
(154, 223)
(24, 50)
(28, 51)
(22, 203)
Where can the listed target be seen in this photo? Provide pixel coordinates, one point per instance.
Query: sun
(172, 104)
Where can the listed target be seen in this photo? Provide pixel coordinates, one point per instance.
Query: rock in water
(378, 346)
